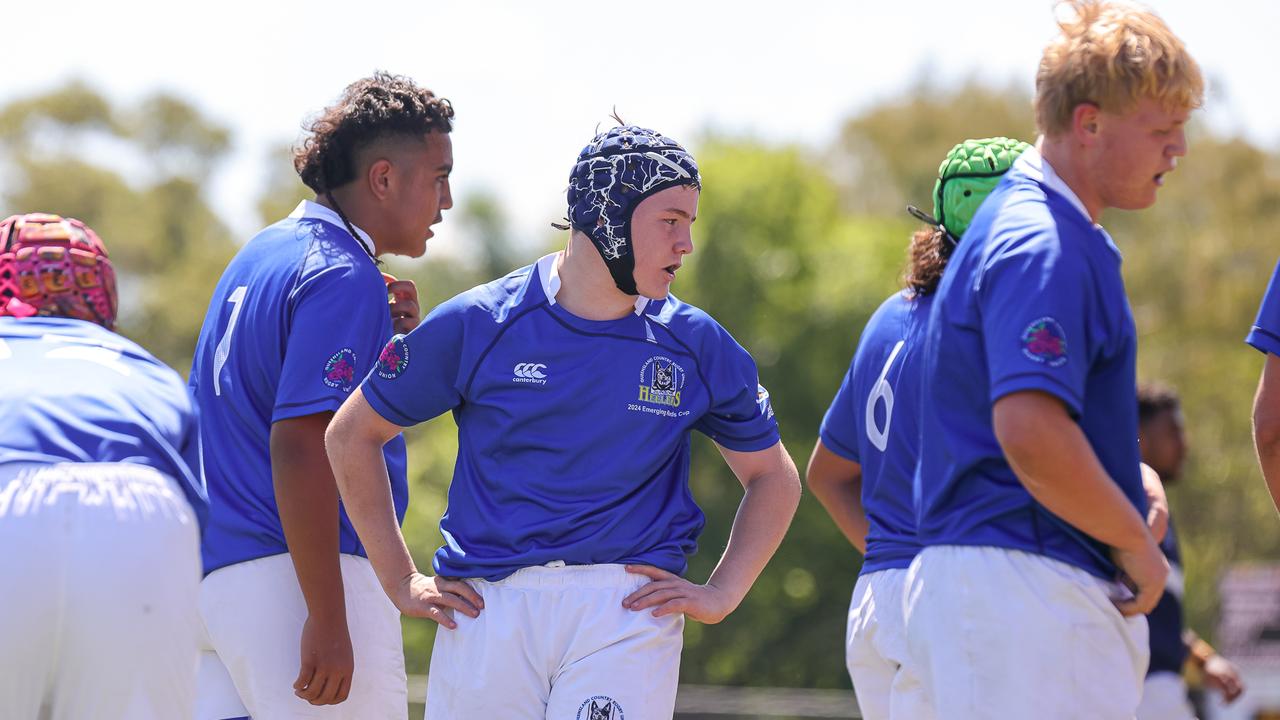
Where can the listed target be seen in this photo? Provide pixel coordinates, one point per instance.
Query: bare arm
(308, 505)
(1054, 461)
(1219, 672)
(1266, 425)
(1157, 503)
(837, 484)
(772, 492)
(354, 442)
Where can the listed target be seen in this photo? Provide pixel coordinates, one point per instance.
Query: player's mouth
(432, 233)
(670, 270)
(1160, 176)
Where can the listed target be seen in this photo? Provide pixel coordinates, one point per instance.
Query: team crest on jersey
(600, 707)
(340, 371)
(661, 381)
(1045, 342)
(393, 359)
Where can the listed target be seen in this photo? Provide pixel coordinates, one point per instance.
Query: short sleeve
(338, 321)
(1264, 336)
(842, 425)
(1040, 326)
(740, 417)
(417, 376)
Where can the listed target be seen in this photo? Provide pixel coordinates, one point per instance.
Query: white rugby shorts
(253, 615)
(1000, 633)
(1164, 697)
(555, 642)
(98, 583)
(884, 678)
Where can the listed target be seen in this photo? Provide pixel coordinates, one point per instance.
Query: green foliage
(794, 279)
(889, 155)
(284, 189)
(135, 175)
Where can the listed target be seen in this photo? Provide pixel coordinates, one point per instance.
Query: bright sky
(531, 80)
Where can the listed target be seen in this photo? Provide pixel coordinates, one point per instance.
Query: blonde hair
(1113, 55)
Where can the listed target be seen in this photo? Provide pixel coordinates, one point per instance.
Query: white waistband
(557, 574)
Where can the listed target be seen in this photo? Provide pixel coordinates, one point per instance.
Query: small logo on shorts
(394, 358)
(1045, 342)
(340, 371)
(530, 373)
(599, 707)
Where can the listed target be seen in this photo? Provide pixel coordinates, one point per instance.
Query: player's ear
(379, 178)
(1084, 122)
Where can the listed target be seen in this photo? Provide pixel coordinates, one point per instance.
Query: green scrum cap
(968, 174)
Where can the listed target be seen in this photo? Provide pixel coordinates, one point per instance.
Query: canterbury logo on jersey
(530, 373)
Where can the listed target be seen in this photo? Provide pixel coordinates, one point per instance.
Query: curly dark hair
(370, 109)
(926, 259)
(1155, 399)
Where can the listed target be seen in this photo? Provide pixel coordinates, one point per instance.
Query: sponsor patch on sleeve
(340, 370)
(762, 399)
(1045, 342)
(394, 359)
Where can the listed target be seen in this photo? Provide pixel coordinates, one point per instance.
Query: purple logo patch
(1045, 342)
(340, 371)
(394, 358)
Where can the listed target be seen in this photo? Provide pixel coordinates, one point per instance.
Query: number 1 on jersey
(882, 389)
(223, 350)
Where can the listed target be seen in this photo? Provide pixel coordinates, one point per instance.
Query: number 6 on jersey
(882, 389)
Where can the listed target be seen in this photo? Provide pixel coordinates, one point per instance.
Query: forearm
(846, 511)
(1197, 649)
(837, 484)
(1266, 426)
(1157, 502)
(361, 474)
(762, 520)
(1054, 461)
(1269, 460)
(1266, 439)
(307, 501)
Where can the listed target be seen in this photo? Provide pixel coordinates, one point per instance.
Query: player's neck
(586, 287)
(1069, 162)
(357, 212)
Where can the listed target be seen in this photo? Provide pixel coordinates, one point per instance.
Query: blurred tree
(888, 156)
(137, 175)
(487, 227)
(284, 189)
(793, 279)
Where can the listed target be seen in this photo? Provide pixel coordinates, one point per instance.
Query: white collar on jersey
(549, 272)
(1037, 168)
(309, 210)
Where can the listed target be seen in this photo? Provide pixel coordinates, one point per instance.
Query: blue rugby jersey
(1265, 333)
(573, 434)
(1168, 651)
(77, 392)
(873, 420)
(1032, 300)
(296, 320)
